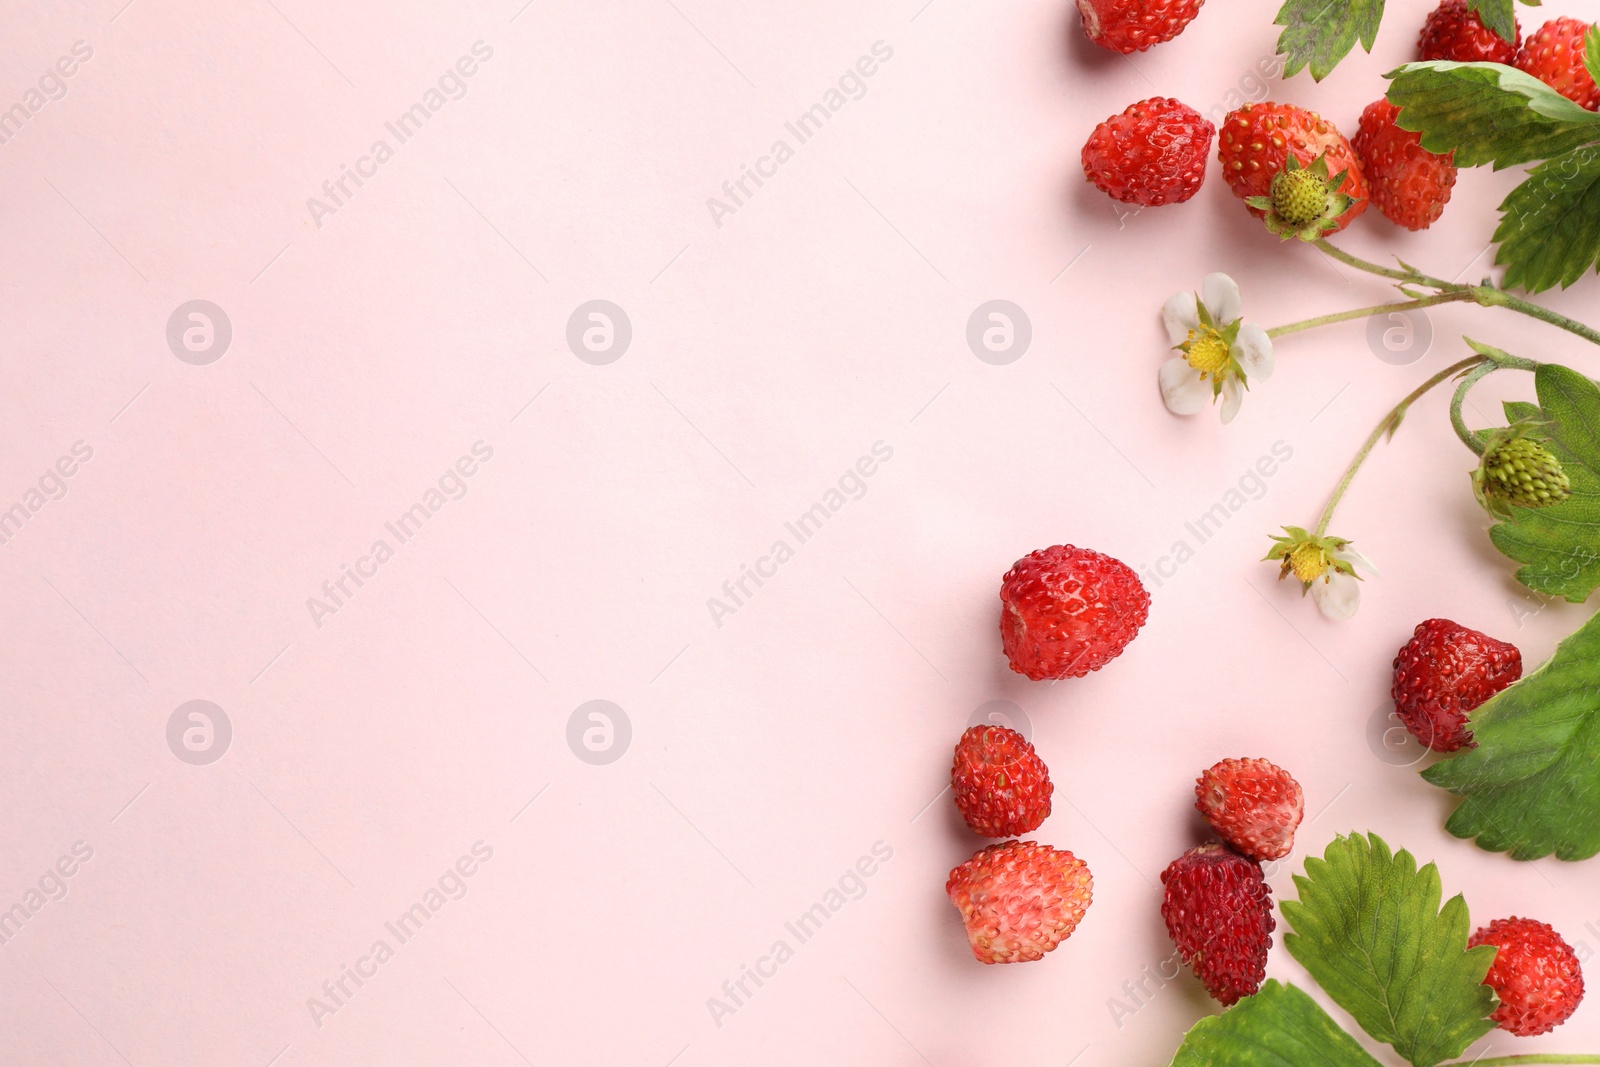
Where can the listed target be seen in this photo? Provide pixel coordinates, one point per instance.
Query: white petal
(1338, 597)
(1232, 397)
(1253, 350)
(1180, 314)
(1182, 388)
(1362, 562)
(1221, 294)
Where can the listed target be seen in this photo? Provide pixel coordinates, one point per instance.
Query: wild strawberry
(1255, 143)
(1019, 900)
(1067, 611)
(1453, 32)
(1001, 785)
(1444, 672)
(1218, 910)
(1554, 54)
(1254, 805)
(1535, 973)
(1409, 184)
(1153, 153)
(1134, 25)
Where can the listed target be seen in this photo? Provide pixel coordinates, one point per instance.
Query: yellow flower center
(1208, 352)
(1307, 563)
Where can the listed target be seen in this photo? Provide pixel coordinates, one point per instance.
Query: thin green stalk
(1491, 296)
(1526, 1057)
(1357, 262)
(1361, 313)
(1469, 438)
(1389, 424)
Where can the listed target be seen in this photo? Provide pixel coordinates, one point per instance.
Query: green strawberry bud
(1521, 471)
(1299, 196)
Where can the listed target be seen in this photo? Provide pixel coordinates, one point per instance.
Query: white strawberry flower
(1326, 567)
(1220, 351)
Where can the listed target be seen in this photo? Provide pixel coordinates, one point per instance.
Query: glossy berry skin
(1133, 25)
(1535, 973)
(1455, 33)
(1254, 805)
(1020, 899)
(1001, 785)
(1409, 184)
(1153, 153)
(1554, 54)
(1218, 910)
(1445, 672)
(1067, 611)
(1255, 141)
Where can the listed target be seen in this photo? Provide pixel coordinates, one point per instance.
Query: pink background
(770, 752)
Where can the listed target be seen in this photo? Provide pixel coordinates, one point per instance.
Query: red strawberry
(1218, 910)
(1255, 141)
(1535, 973)
(1019, 900)
(1410, 184)
(1444, 672)
(1255, 805)
(1153, 153)
(1134, 25)
(1554, 54)
(1067, 611)
(1453, 32)
(1002, 787)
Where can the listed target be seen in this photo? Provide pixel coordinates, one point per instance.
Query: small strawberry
(1067, 611)
(1410, 184)
(1256, 141)
(1134, 25)
(1254, 805)
(1153, 153)
(1554, 54)
(1445, 672)
(1535, 973)
(1218, 910)
(1455, 33)
(1001, 785)
(1019, 900)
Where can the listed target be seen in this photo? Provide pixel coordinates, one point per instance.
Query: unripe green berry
(1521, 471)
(1299, 196)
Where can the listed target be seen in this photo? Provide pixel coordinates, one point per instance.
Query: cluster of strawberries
(1155, 152)
(1066, 611)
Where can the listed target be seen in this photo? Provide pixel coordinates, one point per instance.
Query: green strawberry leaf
(1499, 15)
(1488, 113)
(1279, 1025)
(1322, 32)
(1532, 784)
(1549, 229)
(1559, 546)
(1369, 929)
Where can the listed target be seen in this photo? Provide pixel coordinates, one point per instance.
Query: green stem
(1361, 313)
(1526, 1057)
(1490, 296)
(1389, 424)
(1477, 374)
(1383, 272)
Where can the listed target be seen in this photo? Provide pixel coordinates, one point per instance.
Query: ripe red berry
(1254, 805)
(1409, 184)
(1444, 672)
(1255, 141)
(1001, 785)
(1535, 973)
(1019, 900)
(1067, 611)
(1134, 25)
(1218, 910)
(1554, 54)
(1453, 32)
(1153, 153)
